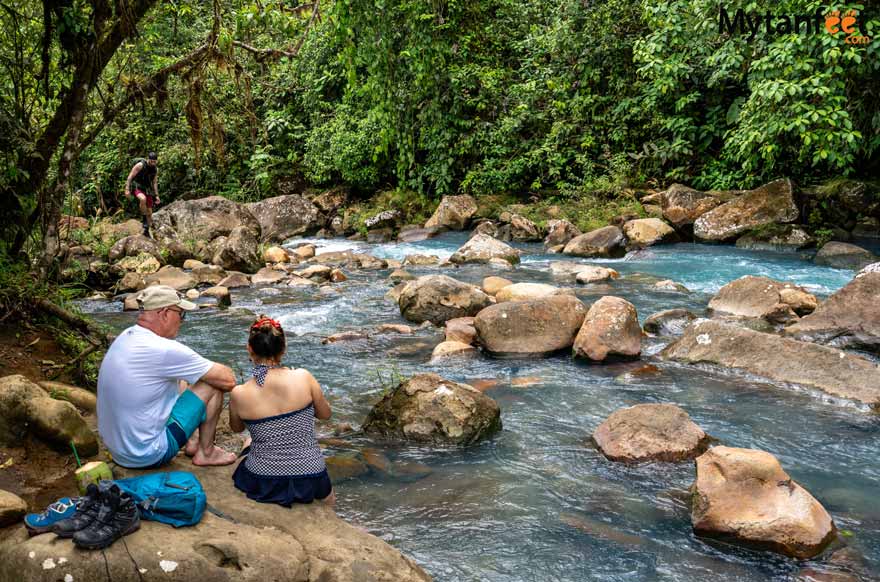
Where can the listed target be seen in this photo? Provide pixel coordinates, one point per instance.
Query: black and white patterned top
(285, 445)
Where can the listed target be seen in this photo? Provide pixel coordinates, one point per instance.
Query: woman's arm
(235, 422)
(322, 407)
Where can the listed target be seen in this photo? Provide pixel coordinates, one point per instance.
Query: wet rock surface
(429, 408)
(608, 241)
(536, 327)
(771, 203)
(482, 249)
(437, 298)
(650, 432)
(744, 496)
(610, 330)
(763, 298)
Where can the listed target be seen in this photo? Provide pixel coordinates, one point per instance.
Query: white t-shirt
(137, 388)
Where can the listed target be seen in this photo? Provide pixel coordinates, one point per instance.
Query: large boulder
(528, 291)
(25, 407)
(430, 408)
(849, 318)
(769, 204)
(267, 276)
(438, 298)
(764, 298)
(650, 432)
(645, 232)
(682, 206)
(611, 330)
(559, 232)
(79, 397)
(174, 277)
(203, 220)
(538, 327)
(521, 228)
(744, 496)
(176, 253)
(287, 216)
(132, 246)
(239, 252)
(777, 358)
(603, 242)
(454, 212)
(844, 256)
(779, 238)
(251, 541)
(208, 274)
(483, 248)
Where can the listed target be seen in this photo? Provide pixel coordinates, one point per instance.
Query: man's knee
(207, 393)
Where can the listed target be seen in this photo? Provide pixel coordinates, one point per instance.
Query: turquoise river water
(537, 501)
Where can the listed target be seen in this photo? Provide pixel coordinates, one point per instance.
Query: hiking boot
(40, 523)
(118, 516)
(86, 512)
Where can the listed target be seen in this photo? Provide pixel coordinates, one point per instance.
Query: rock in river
(454, 212)
(437, 298)
(603, 242)
(429, 408)
(669, 322)
(765, 298)
(849, 318)
(844, 256)
(744, 496)
(482, 248)
(771, 203)
(528, 291)
(611, 330)
(645, 232)
(537, 327)
(784, 360)
(650, 432)
(283, 217)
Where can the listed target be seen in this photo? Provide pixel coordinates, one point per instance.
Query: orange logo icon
(834, 23)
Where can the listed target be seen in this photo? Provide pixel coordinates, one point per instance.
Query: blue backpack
(176, 498)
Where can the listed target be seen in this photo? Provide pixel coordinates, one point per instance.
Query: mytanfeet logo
(770, 24)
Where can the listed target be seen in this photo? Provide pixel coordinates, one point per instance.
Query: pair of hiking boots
(102, 516)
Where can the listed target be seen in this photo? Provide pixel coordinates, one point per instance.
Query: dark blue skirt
(282, 490)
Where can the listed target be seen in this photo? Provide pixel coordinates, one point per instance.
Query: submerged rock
(844, 256)
(849, 318)
(437, 298)
(454, 212)
(603, 242)
(429, 408)
(591, 273)
(670, 285)
(780, 238)
(650, 432)
(452, 349)
(420, 260)
(744, 496)
(483, 248)
(777, 358)
(769, 204)
(536, 327)
(400, 275)
(610, 330)
(669, 322)
(764, 298)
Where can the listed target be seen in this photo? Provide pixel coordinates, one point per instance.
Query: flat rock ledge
(745, 497)
(253, 541)
(781, 359)
(650, 432)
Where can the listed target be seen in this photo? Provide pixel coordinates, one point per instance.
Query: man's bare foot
(192, 445)
(214, 457)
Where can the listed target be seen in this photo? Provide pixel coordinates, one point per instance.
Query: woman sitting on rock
(283, 463)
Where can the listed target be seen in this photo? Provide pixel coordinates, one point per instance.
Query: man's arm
(156, 186)
(220, 377)
(134, 172)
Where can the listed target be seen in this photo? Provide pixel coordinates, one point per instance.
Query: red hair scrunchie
(259, 323)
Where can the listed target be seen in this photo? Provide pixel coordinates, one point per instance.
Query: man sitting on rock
(143, 416)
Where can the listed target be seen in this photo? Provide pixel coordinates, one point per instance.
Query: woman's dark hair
(267, 338)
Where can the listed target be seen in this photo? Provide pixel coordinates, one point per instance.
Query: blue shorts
(188, 413)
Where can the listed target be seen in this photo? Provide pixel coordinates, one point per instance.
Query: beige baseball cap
(159, 296)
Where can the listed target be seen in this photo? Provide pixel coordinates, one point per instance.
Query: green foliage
(415, 208)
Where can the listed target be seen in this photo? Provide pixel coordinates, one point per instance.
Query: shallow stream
(538, 502)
